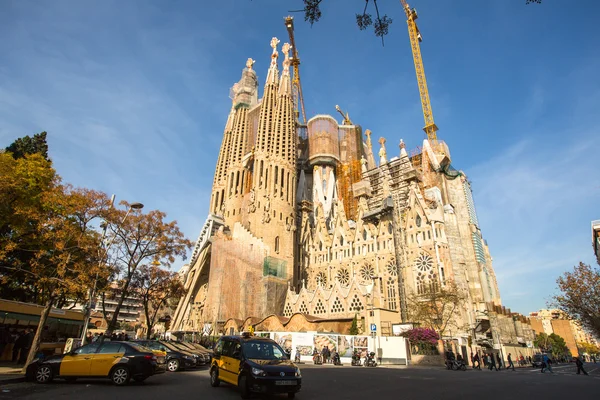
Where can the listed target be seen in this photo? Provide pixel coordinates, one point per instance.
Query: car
(118, 361)
(197, 349)
(537, 360)
(176, 360)
(254, 364)
(198, 355)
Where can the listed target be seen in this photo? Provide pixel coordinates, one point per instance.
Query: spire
(273, 73)
(382, 152)
(403, 152)
(285, 84)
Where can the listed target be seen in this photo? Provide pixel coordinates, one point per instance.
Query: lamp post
(92, 294)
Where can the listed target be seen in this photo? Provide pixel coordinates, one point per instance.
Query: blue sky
(134, 96)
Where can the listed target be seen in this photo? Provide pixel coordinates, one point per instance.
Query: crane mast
(295, 61)
(415, 37)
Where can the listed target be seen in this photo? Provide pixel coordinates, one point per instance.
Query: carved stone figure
(249, 63)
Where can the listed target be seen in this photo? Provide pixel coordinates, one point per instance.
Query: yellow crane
(295, 62)
(415, 37)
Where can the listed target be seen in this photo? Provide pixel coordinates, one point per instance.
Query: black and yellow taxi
(118, 361)
(255, 365)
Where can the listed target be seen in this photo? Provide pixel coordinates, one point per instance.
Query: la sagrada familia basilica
(324, 220)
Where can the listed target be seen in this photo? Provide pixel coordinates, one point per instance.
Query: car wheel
(291, 395)
(173, 365)
(120, 376)
(243, 386)
(44, 374)
(140, 378)
(463, 367)
(214, 378)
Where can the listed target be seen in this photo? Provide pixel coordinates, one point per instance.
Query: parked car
(197, 349)
(200, 356)
(118, 361)
(254, 364)
(176, 360)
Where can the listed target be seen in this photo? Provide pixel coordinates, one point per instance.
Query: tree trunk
(35, 345)
(113, 321)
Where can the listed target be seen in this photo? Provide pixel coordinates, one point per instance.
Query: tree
(137, 239)
(312, 13)
(552, 343)
(49, 242)
(589, 348)
(437, 308)
(30, 145)
(155, 286)
(354, 326)
(580, 296)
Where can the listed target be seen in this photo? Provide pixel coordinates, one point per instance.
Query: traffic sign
(373, 328)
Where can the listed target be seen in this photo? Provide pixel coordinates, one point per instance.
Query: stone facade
(310, 223)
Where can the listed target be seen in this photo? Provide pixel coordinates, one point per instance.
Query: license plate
(286, 383)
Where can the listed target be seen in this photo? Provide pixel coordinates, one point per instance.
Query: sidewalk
(10, 373)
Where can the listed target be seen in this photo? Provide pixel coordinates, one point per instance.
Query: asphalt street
(328, 382)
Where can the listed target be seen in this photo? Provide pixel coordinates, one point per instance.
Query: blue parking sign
(373, 328)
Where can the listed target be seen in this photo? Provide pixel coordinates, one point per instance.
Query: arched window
(277, 244)
(391, 293)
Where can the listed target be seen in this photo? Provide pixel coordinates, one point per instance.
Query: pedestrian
(485, 360)
(498, 360)
(5, 339)
(26, 341)
(510, 363)
(476, 360)
(324, 354)
(19, 343)
(492, 362)
(521, 360)
(546, 364)
(579, 364)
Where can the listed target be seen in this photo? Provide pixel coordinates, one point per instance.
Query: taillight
(149, 357)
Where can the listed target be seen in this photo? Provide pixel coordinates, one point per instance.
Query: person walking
(498, 360)
(579, 364)
(492, 362)
(476, 360)
(510, 363)
(546, 364)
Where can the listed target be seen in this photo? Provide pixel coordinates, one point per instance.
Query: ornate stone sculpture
(249, 63)
(382, 152)
(251, 205)
(363, 164)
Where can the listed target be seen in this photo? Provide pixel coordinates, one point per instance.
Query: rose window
(392, 268)
(321, 279)
(343, 277)
(423, 263)
(367, 272)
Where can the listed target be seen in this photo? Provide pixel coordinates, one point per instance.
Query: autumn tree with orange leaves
(138, 241)
(155, 286)
(580, 296)
(48, 239)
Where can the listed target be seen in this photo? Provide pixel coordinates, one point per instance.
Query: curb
(16, 379)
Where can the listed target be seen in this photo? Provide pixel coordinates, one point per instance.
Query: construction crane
(415, 37)
(295, 61)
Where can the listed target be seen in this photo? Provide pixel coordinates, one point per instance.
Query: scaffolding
(350, 174)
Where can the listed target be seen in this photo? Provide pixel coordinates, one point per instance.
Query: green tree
(552, 343)
(30, 145)
(354, 326)
(580, 296)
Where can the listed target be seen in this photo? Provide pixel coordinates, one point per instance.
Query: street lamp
(92, 300)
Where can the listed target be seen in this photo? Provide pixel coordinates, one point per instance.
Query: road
(328, 382)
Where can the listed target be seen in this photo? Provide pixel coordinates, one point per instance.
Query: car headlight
(298, 373)
(258, 372)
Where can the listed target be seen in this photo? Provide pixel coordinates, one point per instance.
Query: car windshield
(263, 350)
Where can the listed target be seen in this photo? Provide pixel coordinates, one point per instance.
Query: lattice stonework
(319, 308)
(356, 304)
(287, 312)
(303, 308)
(337, 307)
(343, 277)
(366, 272)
